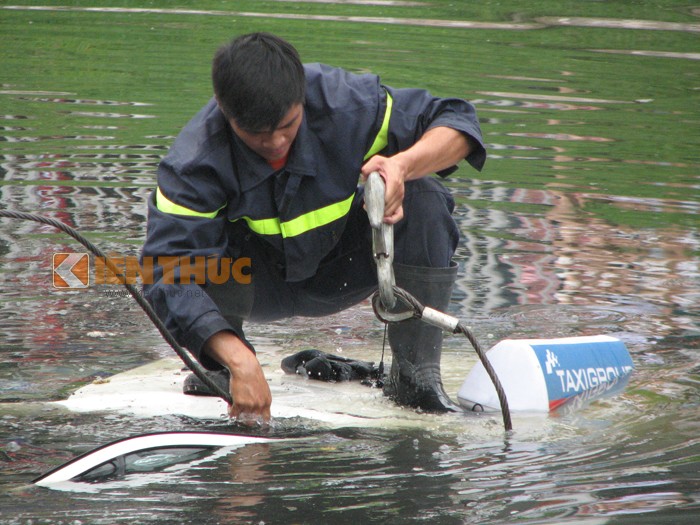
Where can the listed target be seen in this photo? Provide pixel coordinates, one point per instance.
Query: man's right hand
(249, 389)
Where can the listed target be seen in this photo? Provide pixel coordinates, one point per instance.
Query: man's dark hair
(257, 79)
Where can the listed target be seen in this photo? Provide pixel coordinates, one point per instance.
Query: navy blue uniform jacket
(210, 180)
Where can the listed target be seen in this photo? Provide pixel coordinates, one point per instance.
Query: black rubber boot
(416, 347)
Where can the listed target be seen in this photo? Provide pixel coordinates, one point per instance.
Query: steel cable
(182, 353)
(194, 366)
(459, 328)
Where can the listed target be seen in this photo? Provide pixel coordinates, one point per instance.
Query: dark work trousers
(427, 236)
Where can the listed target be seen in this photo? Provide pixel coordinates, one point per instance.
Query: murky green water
(585, 221)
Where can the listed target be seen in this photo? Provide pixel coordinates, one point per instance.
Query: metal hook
(382, 238)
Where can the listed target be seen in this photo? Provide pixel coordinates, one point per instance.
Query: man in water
(267, 172)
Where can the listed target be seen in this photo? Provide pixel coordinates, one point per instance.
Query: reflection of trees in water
(101, 193)
(89, 191)
(549, 251)
(563, 255)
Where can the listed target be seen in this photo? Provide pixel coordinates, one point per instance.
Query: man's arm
(249, 389)
(438, 149)
(210, 337)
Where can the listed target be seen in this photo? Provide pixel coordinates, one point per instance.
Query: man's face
(273, 144)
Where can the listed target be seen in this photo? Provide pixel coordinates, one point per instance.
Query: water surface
(584, 221)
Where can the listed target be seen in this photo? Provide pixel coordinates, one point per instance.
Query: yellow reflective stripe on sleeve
(302, 224)
(167, 206)
(382, 138)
